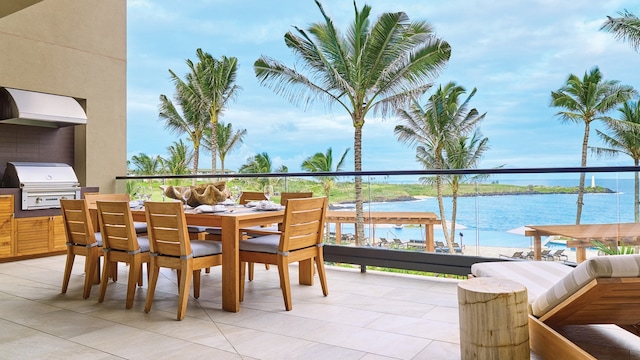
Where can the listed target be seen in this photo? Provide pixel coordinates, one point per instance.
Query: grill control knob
(38, 200)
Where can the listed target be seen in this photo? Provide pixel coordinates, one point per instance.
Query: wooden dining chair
(269, 230)
(121, 244)
(92, 198)
(172, 248)
(81, 240)
(301, 239)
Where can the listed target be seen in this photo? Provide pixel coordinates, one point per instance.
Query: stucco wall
(75, 48)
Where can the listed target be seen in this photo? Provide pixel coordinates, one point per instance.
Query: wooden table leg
(581, 254)
(230, 265)
(305, 272)
(537, 247)
(429, 238)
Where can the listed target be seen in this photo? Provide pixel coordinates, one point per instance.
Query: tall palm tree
(587, 100)
(375, 66)
(435, 128)
(215, 82)
(626, 27)
(228, 140)
(187, 118)
(261, 163)
(320, 162)
(462, 153)
(623, 137)
(180, 157)
(146, 165)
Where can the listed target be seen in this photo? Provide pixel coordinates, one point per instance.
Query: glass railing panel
(491, 215)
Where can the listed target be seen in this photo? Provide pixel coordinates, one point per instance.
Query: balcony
(366, 316)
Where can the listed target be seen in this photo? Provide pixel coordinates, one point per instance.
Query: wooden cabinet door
(32, 235)
(58, 238)
(6, 225)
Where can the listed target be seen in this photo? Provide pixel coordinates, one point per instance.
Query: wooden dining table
(581, 236)
(231, 222)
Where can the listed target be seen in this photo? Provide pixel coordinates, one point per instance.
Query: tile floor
(366, 316)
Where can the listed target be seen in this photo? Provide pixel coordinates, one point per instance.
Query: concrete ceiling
(11, 6)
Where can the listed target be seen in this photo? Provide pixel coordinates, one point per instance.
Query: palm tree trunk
(214, 141)
(583, 163)
(357, 156)
(196, 159)
(443, 215)
(636, 198)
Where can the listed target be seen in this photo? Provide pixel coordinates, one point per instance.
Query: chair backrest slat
(77, 222)
(116, 224)
(303, 223)
(293, 195)
(167, 228)
(248, 196)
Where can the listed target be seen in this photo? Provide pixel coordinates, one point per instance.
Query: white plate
(210, 208)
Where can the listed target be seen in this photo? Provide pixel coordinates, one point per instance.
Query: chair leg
(185, 282)
(107, 269)
(134, 276)
(251, 267)
(241, 280)
(67, 269)
(321, 273)
(196, 283)
(283, 270)
(151, 289)
(90, 270)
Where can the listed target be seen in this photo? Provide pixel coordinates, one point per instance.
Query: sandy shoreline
(495, 251)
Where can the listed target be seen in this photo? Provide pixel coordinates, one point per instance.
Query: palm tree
(146, 165)
(586, 100)
(180, 157)
(188, 119)
(462, 153)
(215, 82)
(374, 66)
(228, 140)
(623, 137)
(261, 163)
(626, 27)
(320, 162)
(435, 128)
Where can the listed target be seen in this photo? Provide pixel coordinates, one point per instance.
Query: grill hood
(33, 108)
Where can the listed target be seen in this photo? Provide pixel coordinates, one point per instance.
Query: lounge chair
(544, 254)
(558, 254)
(456, 247)
(399, 243)
(440, 247)
(384, 242)
(601, 290)
(529, 255)
(516, 255)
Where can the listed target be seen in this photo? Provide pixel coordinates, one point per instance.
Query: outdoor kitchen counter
(19, 213)
(29, 233)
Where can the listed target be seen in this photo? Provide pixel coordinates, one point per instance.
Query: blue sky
(514, 52)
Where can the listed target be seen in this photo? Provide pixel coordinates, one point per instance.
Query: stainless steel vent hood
(24, 107)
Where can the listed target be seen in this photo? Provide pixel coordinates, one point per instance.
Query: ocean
(498, 220)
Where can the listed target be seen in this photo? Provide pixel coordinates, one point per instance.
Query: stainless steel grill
(43, 185)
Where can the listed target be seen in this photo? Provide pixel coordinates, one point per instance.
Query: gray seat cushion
(201, 248)
(202, 229)
(266, 244)
(141, 227)
(98, 236)
(143, 243)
